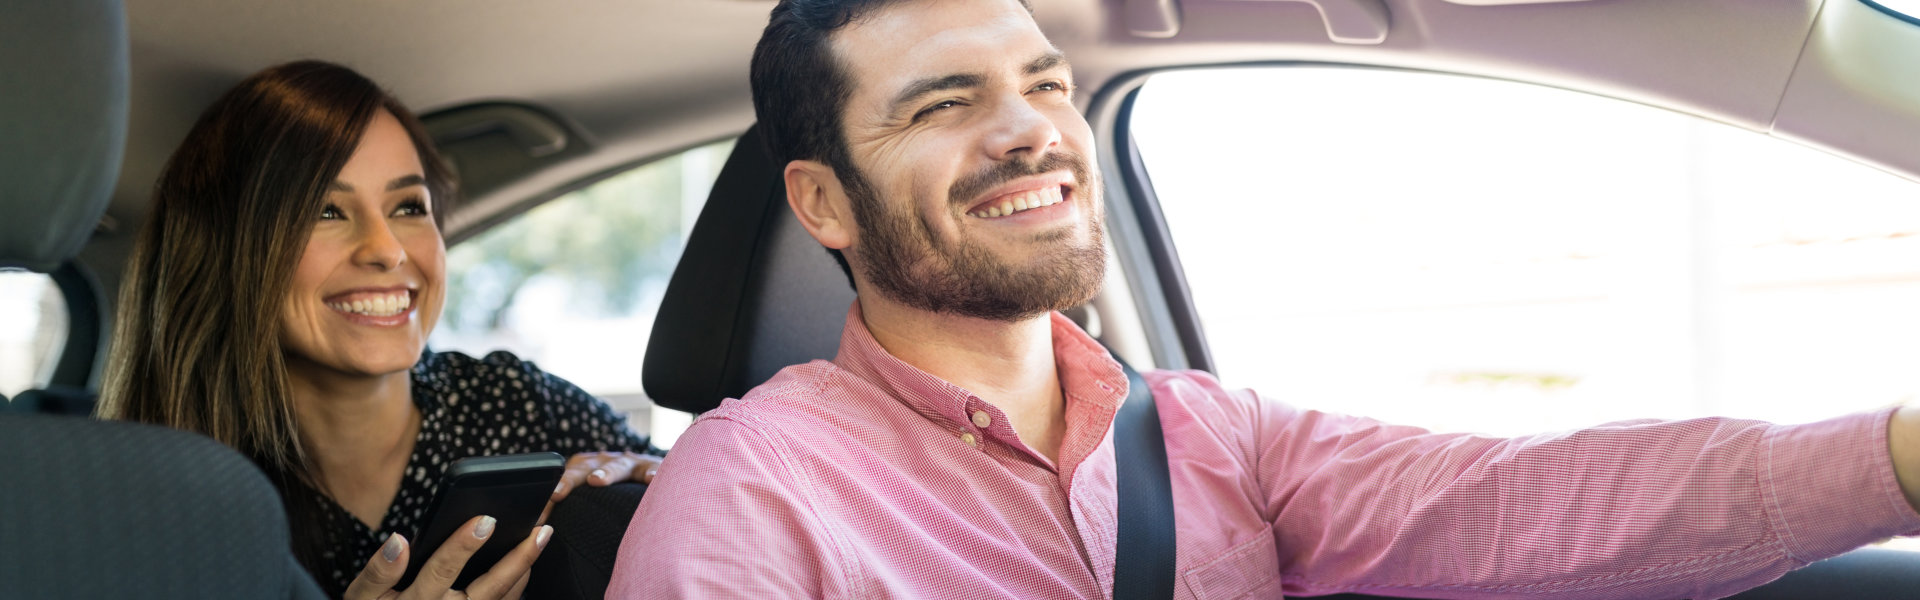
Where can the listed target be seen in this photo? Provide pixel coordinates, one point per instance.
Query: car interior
(532, 102)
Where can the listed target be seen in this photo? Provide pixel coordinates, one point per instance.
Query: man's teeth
(381, 306)
(1027, 201)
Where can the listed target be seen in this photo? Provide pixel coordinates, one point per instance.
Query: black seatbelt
(1143, 557)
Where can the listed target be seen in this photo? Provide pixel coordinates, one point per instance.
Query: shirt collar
(1091, 380)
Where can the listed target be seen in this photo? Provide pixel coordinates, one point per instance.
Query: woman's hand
(600, 469)
(505, 580)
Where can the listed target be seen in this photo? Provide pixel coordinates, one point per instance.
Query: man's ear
(815, 195)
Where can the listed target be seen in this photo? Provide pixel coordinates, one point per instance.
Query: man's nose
(378, 247)
(1022, 129)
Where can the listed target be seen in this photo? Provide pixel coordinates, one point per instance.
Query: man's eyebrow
(1045, 62)
(923, 87)
(398, 183)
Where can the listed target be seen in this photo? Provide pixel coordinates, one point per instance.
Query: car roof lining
(597, 68)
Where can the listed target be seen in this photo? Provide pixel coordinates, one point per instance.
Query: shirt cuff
(1829, 485)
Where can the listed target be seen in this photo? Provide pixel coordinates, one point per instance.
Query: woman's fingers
(578, 467)
(383, 570)
(437, 575)
(649, 466)
(626, 467)
(520, 589)
(507, 576)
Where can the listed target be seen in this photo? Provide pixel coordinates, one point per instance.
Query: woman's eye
(332, 213)
(412, 208)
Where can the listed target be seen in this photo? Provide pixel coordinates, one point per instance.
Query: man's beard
(902, 258)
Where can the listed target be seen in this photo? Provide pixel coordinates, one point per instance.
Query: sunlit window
(573, 284)
(33, 332)
(1477, 255)
(1907, 8)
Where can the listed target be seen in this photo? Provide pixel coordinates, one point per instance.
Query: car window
(1478, 255)
(573, 284)
(32, 332)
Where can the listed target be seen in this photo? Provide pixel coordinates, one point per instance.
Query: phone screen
(513, 489)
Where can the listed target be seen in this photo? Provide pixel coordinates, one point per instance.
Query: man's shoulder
(792, 393)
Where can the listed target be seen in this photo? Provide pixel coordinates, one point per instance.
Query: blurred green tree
(605, 241)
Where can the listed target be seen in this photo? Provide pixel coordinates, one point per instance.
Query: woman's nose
(379, 248)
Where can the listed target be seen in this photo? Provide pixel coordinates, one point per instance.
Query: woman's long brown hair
(196, 344)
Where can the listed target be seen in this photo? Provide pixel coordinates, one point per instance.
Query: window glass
(574, 283)
(1906, 8)
(32, 331)
(1476, 255)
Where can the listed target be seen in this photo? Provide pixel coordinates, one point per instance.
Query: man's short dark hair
(800, 89)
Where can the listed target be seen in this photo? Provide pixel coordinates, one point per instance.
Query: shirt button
(981, 420)
(969, 439)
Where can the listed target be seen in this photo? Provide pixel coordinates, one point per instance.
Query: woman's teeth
(1027, 201)
(379, 306)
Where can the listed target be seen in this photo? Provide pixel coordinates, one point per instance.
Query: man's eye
(937, 107)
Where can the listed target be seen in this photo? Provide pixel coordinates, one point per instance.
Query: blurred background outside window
(573, 284)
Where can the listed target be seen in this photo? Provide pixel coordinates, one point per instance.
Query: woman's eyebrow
(401, 182)
(406, 181)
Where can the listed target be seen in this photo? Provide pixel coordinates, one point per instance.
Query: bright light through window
(1910, 8)
(1477, 255)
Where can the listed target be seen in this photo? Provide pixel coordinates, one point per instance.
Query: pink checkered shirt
(868, 478)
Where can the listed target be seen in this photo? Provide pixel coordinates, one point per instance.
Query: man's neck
(1007, 364)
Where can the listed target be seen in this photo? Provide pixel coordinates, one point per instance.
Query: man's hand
(1903, 437)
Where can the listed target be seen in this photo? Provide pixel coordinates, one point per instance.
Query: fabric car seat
(92, 509)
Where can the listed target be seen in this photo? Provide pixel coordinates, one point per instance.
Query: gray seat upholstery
(64, 119)
(752, 294)
(122, 510)
(92, 509)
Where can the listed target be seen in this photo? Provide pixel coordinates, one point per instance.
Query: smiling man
(960, 445)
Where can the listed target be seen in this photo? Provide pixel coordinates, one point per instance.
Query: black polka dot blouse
(472, 407)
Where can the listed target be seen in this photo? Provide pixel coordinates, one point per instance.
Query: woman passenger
(279, 299)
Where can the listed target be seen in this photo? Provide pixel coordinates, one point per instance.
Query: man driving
(960, 445)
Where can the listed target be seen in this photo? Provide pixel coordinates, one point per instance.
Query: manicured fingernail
(485, 529)
(391, 550)
(652, 472)
(546, 531)
(559, 486)
(600, 474)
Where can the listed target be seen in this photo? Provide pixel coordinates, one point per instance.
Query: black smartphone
(513, 489)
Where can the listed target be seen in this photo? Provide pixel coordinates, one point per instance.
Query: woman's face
(370, 286)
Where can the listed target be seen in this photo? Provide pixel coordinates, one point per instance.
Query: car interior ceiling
(753, 292)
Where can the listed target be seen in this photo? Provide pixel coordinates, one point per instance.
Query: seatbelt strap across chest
(1143, 566)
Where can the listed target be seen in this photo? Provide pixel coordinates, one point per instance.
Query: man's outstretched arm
(1701, 508)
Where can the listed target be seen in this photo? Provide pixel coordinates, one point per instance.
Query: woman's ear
(815, 195)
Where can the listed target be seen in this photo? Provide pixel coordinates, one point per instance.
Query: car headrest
(753, 292)
(64, 118)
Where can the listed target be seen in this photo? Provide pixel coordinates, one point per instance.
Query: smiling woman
(280, 299)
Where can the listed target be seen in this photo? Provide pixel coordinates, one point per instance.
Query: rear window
(33, 331)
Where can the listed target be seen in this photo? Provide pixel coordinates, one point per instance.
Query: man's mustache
(968, 189)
